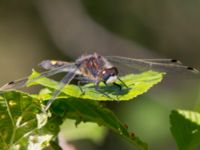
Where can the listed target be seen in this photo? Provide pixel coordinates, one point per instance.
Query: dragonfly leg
(80, 87)
(83, 80)
(118, 85)
(122, 83)
(97, 89)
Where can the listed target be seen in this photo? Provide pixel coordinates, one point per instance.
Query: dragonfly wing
(14, 84)
(66, 80)
(53, 64)
(23, 82)
(165, 61)
(166, 65)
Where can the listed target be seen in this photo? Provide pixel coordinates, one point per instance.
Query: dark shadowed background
(34, 30)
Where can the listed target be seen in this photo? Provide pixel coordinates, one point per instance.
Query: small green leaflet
(22, 122)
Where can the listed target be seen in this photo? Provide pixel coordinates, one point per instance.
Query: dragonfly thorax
(109, 75)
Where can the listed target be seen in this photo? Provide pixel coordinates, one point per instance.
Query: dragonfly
(96, 68)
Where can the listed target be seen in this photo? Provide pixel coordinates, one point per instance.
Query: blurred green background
(34, 30)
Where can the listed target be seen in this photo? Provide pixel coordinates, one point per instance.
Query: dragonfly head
(109, 75)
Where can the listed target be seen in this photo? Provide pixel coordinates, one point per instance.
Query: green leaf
(23, 125)
(91, 111)
(137, 85)
(185, 127)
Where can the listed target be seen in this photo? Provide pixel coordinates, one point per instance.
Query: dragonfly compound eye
(109, 75)
(105, 75)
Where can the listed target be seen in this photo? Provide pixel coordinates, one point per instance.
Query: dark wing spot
(11, 82)
(174, 60)
(193, 70)
(190, 68)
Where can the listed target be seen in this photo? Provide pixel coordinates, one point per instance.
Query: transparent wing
(66, 80)
(52, 64)
(166, 61)
(166, 65)
(23, 82)
(14, 84)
